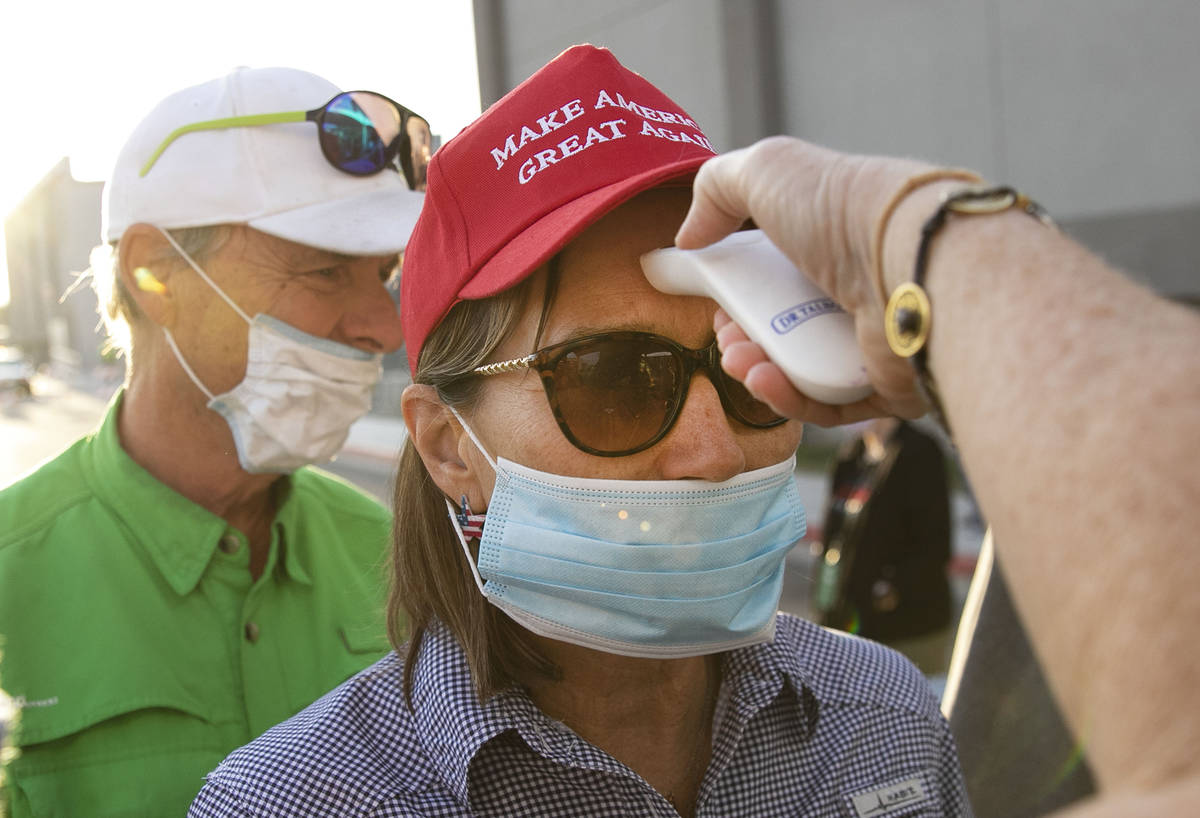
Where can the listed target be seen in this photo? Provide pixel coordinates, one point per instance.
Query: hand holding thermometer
(800, 328)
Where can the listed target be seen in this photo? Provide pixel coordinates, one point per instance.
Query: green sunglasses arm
(221, 124)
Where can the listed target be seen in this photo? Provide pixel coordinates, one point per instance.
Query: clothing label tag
(891, 799)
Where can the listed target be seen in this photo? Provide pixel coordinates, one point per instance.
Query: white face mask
(300, 394)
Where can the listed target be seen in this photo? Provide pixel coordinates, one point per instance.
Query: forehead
(601, 284)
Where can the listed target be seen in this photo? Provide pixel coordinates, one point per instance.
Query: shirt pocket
(139, 760)
(343, 651)
(363, 640)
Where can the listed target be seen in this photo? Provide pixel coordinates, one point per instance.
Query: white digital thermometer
(800, 328)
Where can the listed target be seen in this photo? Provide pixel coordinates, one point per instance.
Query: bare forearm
(1176, 799)
(1075, 400)
(1074, 395)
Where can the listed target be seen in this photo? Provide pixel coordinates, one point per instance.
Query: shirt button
(229, 544)
(251, 632)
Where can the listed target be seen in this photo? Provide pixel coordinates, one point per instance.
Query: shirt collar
(179, 535)
(288, 518)
(757, 674)
(451, 721)
(767, 666)
(455, 726)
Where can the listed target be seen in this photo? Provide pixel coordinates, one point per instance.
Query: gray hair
(118, 310)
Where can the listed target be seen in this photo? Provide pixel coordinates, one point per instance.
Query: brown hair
(431, 579)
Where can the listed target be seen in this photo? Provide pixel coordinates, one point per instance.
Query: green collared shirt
(138, 648)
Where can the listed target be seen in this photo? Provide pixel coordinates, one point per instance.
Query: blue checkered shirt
(813, 724)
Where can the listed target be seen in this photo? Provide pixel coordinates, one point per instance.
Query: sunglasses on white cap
(360, 133)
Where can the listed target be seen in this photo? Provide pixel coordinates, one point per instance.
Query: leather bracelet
(910, 184)
(908, 317)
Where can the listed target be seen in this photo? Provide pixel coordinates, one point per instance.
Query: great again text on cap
(595, 134)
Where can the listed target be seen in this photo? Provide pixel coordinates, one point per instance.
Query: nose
(370, 320)
(701, 445)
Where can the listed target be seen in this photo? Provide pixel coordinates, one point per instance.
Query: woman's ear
(145, 274)
(439, 439)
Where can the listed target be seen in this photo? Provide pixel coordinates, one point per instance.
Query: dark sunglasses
(617, 393)
(360, 132)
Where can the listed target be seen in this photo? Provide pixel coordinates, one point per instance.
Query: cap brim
(539, 241)
(377, 223)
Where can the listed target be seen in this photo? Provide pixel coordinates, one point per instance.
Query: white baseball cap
(273, 178)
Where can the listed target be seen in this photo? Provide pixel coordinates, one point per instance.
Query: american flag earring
(471, 524)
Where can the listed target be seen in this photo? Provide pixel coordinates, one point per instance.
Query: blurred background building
(48, 238)
(1090, 106)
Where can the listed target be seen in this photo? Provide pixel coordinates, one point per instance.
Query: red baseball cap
(579, 137)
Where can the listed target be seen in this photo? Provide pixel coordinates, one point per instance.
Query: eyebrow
(317, 256)
(583, 330)
(580, 330)
(304, 256)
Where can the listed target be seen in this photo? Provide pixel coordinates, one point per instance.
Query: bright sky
(77, 76)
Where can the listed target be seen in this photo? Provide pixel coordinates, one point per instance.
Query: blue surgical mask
(651, 568)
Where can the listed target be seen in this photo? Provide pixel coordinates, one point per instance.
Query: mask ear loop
(474, 439)
(204, 275)
(462, 539)
(171, 338)
(455, 515)
(187, 369)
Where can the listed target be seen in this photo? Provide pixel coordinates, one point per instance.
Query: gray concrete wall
(677, 44)
(1091, 103)
(1090, 106)
(1161, 248)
